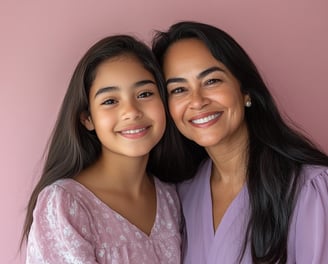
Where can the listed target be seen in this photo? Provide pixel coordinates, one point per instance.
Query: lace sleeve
(61, 230)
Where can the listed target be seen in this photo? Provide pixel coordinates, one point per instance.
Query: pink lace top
(71, 225)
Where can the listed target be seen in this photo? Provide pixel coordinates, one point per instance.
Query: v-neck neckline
(118, 215)
(229, 213)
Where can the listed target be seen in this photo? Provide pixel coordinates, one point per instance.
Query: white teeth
(133, 131)
(205, 119)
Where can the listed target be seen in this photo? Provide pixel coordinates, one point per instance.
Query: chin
(137, 154)
(207, 143)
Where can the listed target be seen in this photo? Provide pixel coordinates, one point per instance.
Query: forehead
(188, 55)
(122, 68)
(117, 64)
(186, 48)
(121, 72)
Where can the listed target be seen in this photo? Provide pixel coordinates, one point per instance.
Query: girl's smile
(134, 133)
(126, 110)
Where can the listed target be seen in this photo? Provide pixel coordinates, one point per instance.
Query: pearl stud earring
(248, 103)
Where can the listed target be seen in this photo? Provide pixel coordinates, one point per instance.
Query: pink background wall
(41, 42)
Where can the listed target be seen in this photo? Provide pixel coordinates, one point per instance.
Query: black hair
(276, 149)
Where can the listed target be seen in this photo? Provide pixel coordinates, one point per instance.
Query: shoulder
(313, 186)
(168, 201)
(312, 175)
(198, 182)
(164, 186)
(62, 204)
(308, 238)
(61, 220)
(166, 191)
(65, 196)
(63, 187)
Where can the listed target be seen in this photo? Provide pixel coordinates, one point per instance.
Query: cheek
(237, 111)
(157, 112)
(160, 123)
(234, 101)
(102, 124)
(162, 118)
(239, 104)
(175, 110)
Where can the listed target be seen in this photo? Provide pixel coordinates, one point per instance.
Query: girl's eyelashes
(109, 102)
(145, 94)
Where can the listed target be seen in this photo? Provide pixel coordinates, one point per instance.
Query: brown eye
(109, 102)
(212, 81)
(145, 94)
(177, 90)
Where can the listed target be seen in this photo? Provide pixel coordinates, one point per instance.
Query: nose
(198, 100)
(131, 111)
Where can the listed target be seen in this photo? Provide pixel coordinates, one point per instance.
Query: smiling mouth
(133, 131)
(206, 119)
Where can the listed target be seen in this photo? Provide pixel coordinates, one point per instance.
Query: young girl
(96, 201)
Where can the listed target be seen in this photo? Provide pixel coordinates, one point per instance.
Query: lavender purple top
(308, 233)
(71, 225)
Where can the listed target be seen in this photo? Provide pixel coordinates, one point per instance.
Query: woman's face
(205, 99)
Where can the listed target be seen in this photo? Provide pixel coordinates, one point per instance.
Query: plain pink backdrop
(41, 42)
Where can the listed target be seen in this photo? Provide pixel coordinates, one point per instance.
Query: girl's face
(205, 99)
(126, 110)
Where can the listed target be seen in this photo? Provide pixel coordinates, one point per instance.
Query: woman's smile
(208, 119)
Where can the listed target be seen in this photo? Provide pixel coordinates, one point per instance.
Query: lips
(133, 131)
(204, 119)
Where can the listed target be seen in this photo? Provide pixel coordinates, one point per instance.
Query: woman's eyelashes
(181, 89)
(177, 90)
(212, 81)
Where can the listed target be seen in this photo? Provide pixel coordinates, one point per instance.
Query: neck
(124, 171)
(117, 173)
(230, 160)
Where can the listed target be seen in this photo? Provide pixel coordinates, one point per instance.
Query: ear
(246, 97)
(86, 121)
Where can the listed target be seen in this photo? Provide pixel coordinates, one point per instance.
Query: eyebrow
(116, 88)
(106, 89)
(142, 83)
(199, 76)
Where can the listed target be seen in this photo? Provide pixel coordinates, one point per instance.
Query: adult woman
(262, 197)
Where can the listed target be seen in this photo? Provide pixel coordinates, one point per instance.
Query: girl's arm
(61, 230)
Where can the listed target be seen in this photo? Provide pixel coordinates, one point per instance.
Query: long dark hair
(277, 151)
(72, 147)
